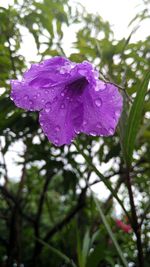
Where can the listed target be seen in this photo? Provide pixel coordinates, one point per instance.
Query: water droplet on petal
(46, 91)
(38, 94)
(111, 130)
(76, 131)
(45, 129)
(99, 126)
(62, 106)
(56, 141)
(68, 97)
(48, 107)
(93, 133)
(84, 123)
(117, 113)
(62, 93)
(26, 97)
(35, 97)
(57, 128)
(31, 102)
(98, 102)
(43, 100)
(114, 119)
(100, 86)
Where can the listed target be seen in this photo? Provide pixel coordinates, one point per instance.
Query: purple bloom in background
(70, 99)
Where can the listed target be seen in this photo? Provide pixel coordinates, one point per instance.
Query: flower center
(78, 84)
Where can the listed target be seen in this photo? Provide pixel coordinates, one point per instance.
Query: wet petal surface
(101, 111)
(70, 97)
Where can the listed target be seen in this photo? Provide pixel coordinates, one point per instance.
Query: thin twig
(105, 79)
(4, 164)
(135, 224)
(143, 216)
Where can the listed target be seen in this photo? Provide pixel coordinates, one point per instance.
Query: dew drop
(76, 131)
(12, 98)
(111, 130)
(62, 106)
(100, 86)
(48, 107)
(38, 94)
(62, 93)
(99, 126)
(42, 100)
(98, 102)
(68, 97)
(26, 97)
(31, 102)
(57, 128)
(93, 133)
(46, 130)
(46, 91)
(56, 141)
(117, 113)
(114, 119)
(84, 123)
(35, 97)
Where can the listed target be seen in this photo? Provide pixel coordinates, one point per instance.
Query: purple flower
(70, 99)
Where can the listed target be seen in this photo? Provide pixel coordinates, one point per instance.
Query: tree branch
(135, 224)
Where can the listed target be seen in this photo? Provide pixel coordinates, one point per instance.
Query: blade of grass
(102, 177)
(112, 236)
(58, 253)
(134, 120)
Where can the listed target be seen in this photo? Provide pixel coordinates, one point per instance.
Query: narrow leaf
(85, 248)
(102, 177)
(134, 120)
(58, 253)
(112, 236)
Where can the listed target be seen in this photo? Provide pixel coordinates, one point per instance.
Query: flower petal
(41, 83)
(102, 109)
(60, 119)
(70, 99)
(47, 72)
(29, 98)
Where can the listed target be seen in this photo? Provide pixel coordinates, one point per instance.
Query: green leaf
(112, 236)
(96, 256)
(85, 248)
(79, 251)
(101, 176)
(58, 253)
(134, 120)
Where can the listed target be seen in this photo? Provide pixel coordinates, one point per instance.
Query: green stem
(112, 236)
(103, 179)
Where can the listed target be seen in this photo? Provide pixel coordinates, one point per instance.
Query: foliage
(48, 213)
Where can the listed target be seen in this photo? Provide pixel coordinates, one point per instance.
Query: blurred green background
(48, 215)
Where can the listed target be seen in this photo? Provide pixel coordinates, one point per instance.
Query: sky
(118, 12)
